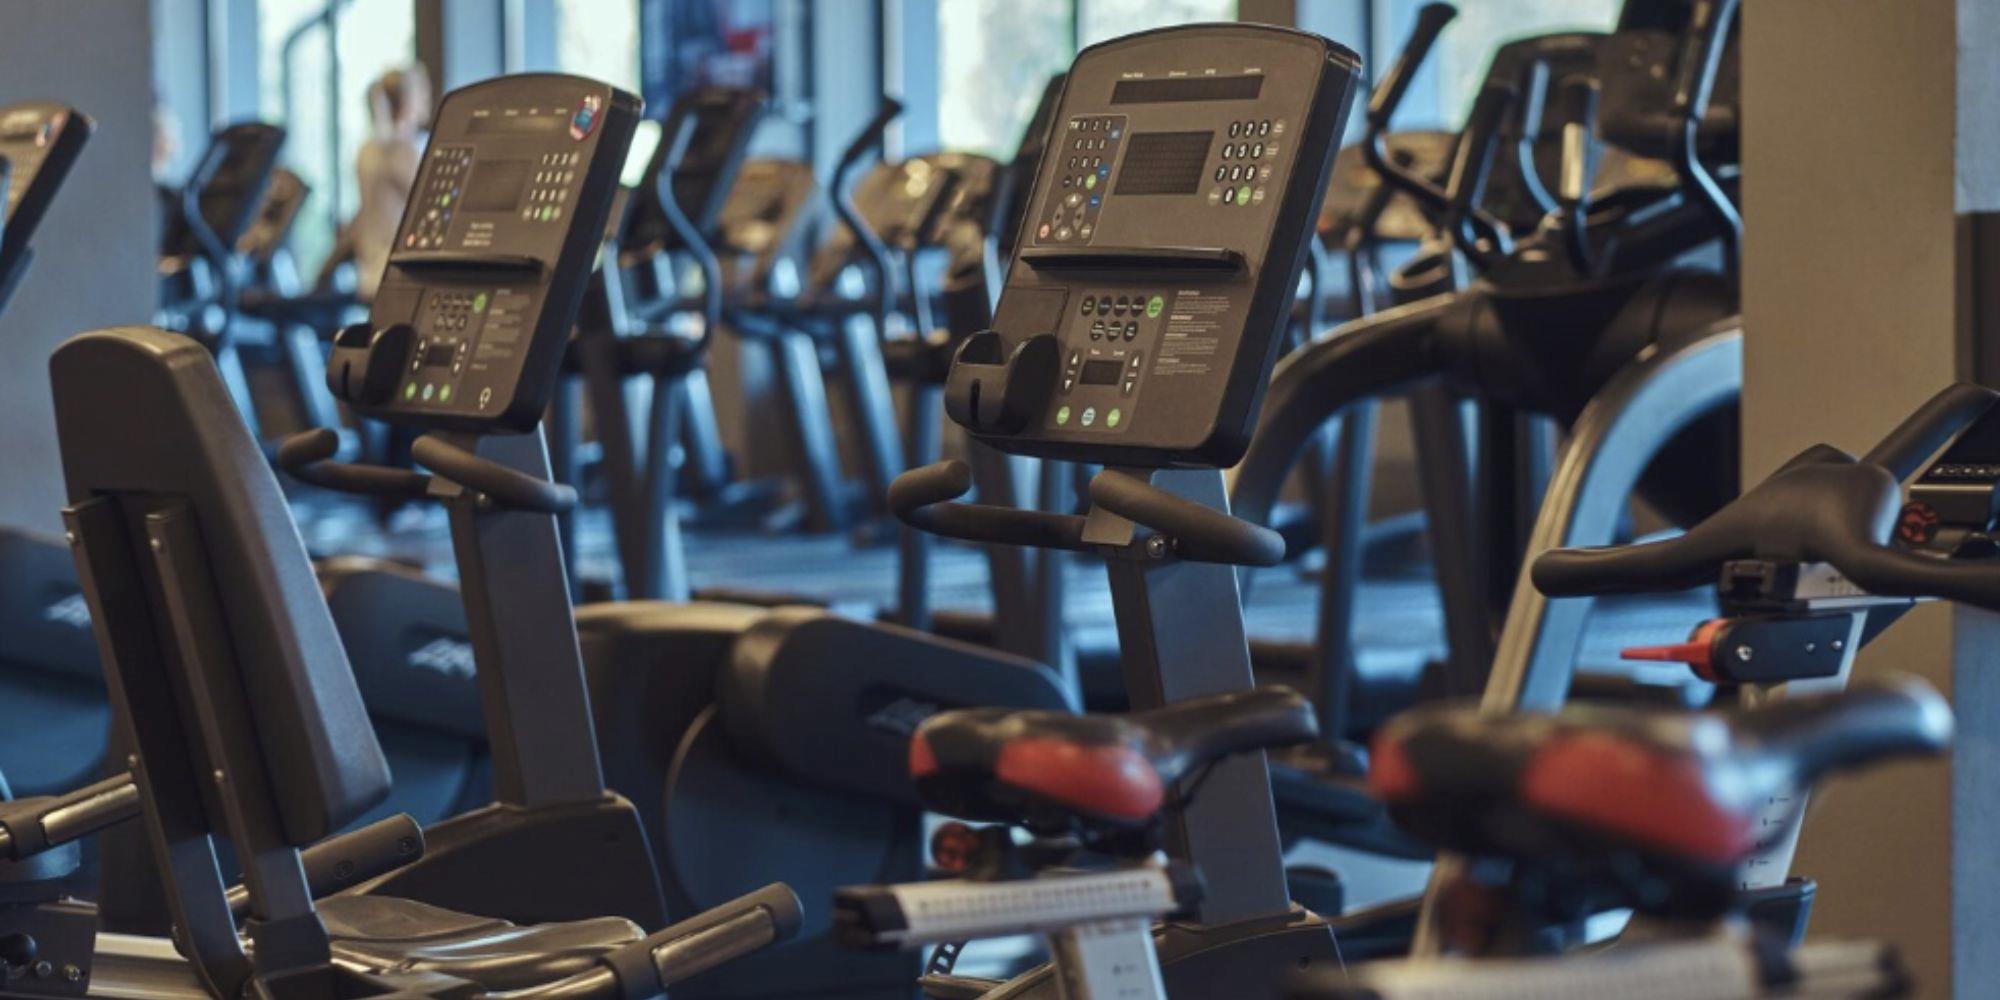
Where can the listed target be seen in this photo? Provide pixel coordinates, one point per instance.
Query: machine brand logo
(902, 716)
(585, 118)
(447, 655)
(71, 610)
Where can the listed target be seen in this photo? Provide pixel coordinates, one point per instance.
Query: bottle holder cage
(995, 391)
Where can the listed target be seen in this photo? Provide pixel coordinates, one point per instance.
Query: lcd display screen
(496, 185)
(1163, 163)
(1101, 372)
(1187, 88)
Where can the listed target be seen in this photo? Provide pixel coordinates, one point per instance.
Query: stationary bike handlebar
(1823, 506)
(307, 456)
(926, 499)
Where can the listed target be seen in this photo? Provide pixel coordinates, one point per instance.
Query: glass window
(1098, 20)
(599, 39)
(994, 57)
(1467, 46)
(373, 36)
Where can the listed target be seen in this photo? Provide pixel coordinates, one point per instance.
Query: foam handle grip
(708, 939)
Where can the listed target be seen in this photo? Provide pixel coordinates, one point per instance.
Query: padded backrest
(142, 417)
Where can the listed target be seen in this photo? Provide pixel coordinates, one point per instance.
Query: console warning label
(1193, 333)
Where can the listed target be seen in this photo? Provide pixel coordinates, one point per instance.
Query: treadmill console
(40, 142)
(498, 239)
(1163, 241)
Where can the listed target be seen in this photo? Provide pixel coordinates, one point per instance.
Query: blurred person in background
(399, 111)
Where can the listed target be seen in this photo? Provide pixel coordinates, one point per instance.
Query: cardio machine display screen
(1101, 372)
(1198, 88)
(1164, 163)
(496, 185)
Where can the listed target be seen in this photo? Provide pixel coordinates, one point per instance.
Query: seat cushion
(385, 935)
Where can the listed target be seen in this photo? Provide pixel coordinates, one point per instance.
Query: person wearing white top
(399, 108)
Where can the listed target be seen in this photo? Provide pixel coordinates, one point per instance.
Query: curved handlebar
(505, 487)
(844, 209)
(1395, 84)
(1200, 533)
(1822, 507)
(1473, 165)
(306, 457)
(925, 499)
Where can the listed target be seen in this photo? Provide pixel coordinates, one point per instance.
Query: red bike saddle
(1679, 788)
(1057, 771)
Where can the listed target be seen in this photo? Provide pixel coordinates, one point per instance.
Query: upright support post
(1180, 630)
(543, 740)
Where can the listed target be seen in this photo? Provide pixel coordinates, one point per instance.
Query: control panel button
(1062, 415)
(1131, 329)
(1111, 419)
(1154, 305)
(1089, 416)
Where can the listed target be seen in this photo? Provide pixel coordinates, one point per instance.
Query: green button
(1111, 419)
(479, 303)
(1062, 415)
(1154, 305)
(1090, 183)
(1243, 195)
(444, 394)
(410, 391)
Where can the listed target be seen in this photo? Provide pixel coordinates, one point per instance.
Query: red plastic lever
(1697, 652)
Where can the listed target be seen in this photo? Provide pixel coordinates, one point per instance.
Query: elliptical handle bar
(844, 209)
(679, 137)
(1198, 533)
(1472, 167)
(926, 499)
(1395, 84)
(307, 457)
(504, 487)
